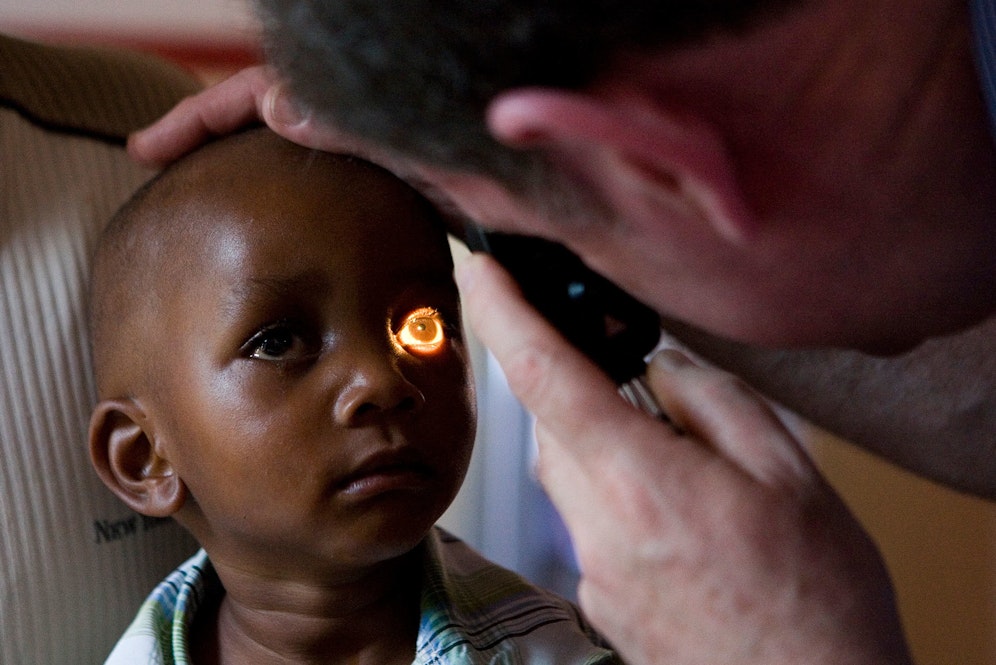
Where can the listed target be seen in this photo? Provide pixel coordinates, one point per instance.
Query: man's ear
(124, 453)
(647, 146)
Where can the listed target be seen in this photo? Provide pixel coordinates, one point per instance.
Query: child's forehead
(261, 192)
(289, 177)
(273, 230)
(373, 214)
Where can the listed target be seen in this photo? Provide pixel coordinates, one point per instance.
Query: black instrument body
(607, 324)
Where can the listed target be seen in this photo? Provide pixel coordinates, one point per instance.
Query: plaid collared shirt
(473, 611)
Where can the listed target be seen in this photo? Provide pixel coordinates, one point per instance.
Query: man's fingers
(577, 404)
(548, 375)
(221, 109)
(722, 411)
(252, 96)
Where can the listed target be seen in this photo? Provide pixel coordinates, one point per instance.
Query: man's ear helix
(660, 150)
(124, 453)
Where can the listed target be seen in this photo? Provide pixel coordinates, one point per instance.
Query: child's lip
(387, 471)
(389, 479)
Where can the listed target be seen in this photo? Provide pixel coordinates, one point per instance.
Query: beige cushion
(75, 564)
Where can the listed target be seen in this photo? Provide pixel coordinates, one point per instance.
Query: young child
(280, 368)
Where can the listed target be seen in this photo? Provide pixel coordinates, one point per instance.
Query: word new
(107, 531)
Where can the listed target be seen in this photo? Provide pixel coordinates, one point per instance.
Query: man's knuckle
(528, 370)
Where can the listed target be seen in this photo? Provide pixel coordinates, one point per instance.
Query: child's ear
(124, 453)
(630, 147)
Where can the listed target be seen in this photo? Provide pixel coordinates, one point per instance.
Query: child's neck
(372, 619)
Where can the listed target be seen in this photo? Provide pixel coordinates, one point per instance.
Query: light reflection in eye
(422, 331)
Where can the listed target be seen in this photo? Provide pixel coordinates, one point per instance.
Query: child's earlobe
(123, 452)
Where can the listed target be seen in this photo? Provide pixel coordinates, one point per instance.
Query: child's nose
(376, 390)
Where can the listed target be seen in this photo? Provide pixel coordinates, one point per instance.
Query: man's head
(778, 172)
(278, 356)
(420, 76)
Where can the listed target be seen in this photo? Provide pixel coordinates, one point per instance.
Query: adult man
(787, 174)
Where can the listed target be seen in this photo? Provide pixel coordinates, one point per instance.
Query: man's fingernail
(460, 256)
(671, 359)
(282, 109)
(466, 272)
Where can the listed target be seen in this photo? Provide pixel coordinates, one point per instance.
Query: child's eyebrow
(267, 287)
(425, 276)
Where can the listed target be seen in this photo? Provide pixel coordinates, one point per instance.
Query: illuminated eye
(422, 331)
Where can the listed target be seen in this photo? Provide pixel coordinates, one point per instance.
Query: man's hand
(223, 108)
(255, 95)
(720, 544)
(252, 96)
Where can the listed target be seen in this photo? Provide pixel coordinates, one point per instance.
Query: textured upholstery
(74, 563)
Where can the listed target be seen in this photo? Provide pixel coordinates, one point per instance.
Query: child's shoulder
(159, 631)
(476, 611)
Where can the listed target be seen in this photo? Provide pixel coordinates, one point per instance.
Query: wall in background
(939, 545)
(213, 38)
(211, 20)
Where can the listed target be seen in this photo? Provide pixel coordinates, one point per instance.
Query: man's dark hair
(416, 76)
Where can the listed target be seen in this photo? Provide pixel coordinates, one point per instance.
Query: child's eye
(276, 342)
(422, 332)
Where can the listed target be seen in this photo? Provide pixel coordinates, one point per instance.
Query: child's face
(301, 412)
